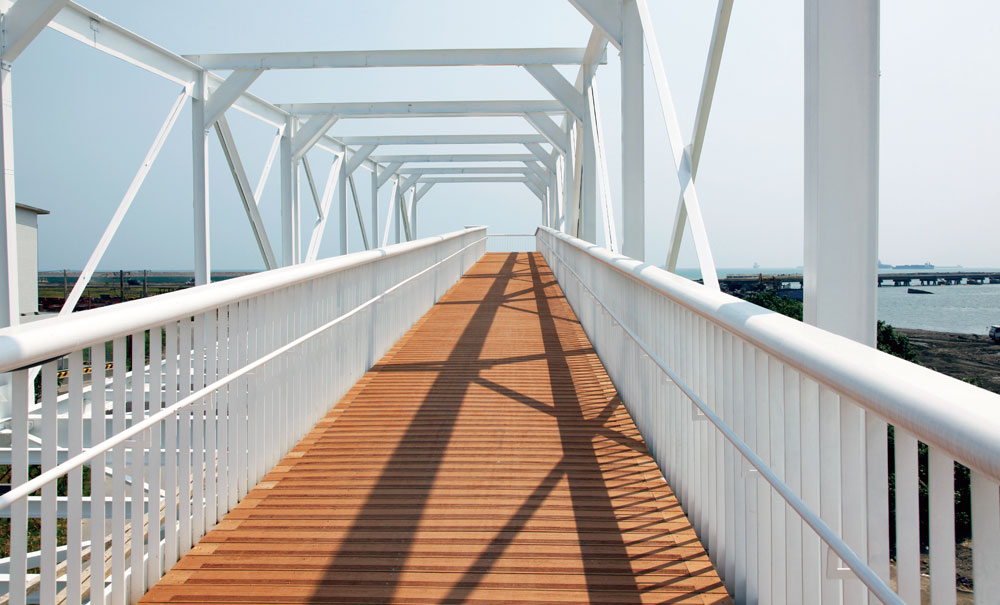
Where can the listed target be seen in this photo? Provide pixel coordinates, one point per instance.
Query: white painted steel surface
(772, 434)
(237, 372)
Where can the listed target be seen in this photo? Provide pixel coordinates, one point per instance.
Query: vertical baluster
(729, 472)
(184, 437)
(50, 439)
(763, 448)
(793, 477)
(74, 487)
(198, 429)
(853, 500)
(253, 395)
(98, 508)
(268, 383)
(138, 393)
(741, 481)
(985, 537)
(907, 517)
(752, 484)
(830, 480)
(171, 482)
(941, 509)
(118, 472)
(242, 400)
(232, 466)
(211, 447)
(721, 491)
(809, 435)
(877, 487)
(22, 396)
(154, 567)
(776, 437)
(222, 405)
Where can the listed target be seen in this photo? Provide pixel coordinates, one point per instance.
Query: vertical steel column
(199, 166)
(588, 172)
(841, 166)
(9, 305)
(398, 210)
(633, 141)
(375, 239)
(342, 194)
(841, 249)
(288, 178)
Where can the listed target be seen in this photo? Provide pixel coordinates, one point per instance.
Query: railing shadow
(599, 497)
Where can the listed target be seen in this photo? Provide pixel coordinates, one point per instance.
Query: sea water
(967, 309)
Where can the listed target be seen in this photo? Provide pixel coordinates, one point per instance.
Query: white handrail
(917, 399)
(31, 343)
(853, 561)
(107, 445)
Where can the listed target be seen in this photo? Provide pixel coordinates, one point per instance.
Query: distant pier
(757, 281)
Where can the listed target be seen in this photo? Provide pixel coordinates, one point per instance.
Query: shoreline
(970, 357)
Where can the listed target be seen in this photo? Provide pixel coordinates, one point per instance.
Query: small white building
(27, 257)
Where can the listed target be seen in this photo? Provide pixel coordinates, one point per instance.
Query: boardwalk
(486, 458)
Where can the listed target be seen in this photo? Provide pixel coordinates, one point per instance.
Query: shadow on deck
(485, 458)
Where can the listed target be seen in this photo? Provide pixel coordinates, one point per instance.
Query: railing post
(633, 155)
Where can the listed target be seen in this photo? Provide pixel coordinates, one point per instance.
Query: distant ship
(882, 265)
(923, 266)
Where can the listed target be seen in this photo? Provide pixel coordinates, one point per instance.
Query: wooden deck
(486, 459)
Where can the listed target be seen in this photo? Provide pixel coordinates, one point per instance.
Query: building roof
(31, 208)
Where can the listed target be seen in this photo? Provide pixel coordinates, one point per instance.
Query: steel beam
(310, 133)
(633, 134)
(246, 194)
(223, 97)
(390, 58)
(716, 47)
(475, 179)
(332, 180)
(268, 163)
(24, 21)
(549, 129)
(424, 108)
(357, 210)
(454, 157)
(559, 87)
(465, 170)
(541, 155)
(445, 139)
(679, 154)
(386, 173)
(605, 15)
(358, 157)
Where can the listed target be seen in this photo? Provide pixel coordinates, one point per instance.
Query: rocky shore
(968, 357)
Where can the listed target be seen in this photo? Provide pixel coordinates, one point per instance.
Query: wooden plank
(486, 457)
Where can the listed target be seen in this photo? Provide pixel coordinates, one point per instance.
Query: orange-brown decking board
(485, 459)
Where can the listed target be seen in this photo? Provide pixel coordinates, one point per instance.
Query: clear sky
(84, 120)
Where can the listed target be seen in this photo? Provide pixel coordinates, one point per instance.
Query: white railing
(236, 373)
(773, 435)
(510, 242)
